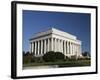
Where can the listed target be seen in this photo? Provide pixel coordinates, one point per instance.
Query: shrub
(38, 59)
(52, 56)
(66, 58)
(49, 56)
(86, 54)
(73, 57)
(59, 56)
(27, 59)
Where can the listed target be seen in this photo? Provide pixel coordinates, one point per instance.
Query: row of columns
(40, 47)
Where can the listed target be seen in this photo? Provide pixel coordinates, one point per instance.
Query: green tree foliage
(59, 56)
(27, 57)
(85, 54)
(53, 56)
(23, 53)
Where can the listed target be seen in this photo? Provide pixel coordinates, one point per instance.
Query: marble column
(35, 47)
(41, 47)
(80, 50)
(59, 46)
(62, 46)
(76, 49)
(72, 47)
(69, 47)
(44, 46)
(30, 47)
(48, 45)
(65, 47)
(55, 45)
(51, 44)
(38, 47)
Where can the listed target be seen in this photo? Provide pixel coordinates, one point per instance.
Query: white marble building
(57, 41)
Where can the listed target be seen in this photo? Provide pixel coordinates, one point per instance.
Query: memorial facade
(57, 41)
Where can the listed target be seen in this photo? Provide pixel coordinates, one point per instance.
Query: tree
(59, 56)
(27, 57)
(23, 53)
(49, 56)
(86, 54)
(52, 56)
(27, 53)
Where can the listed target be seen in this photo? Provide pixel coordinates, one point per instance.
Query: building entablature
(54, 31)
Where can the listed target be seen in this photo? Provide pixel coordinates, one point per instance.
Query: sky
(77, 24)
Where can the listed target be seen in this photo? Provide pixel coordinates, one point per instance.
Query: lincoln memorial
(57, 41)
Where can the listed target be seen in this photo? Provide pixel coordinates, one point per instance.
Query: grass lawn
(69, 63)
